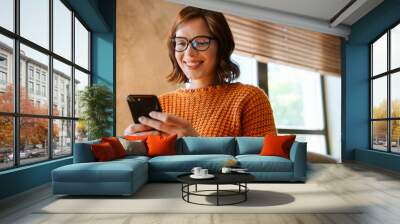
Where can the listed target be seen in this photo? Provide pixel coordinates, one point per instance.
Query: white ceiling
(314, 15)
(319, 9)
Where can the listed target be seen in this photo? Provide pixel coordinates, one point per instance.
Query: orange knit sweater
(225, 110)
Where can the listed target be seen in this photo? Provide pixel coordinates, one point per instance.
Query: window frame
(263, 77)
(16, 115)
(388, 74)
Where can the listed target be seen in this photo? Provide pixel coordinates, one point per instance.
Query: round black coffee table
(238, 179)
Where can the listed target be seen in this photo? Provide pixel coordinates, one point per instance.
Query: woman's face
(197, 65)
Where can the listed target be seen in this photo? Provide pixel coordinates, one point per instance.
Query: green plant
(96, 105)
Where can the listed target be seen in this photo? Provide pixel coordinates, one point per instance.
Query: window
(30, 87)
(385, 94)
(296, 99)
(37, 74)
(43, 90)
(3, 78)
(3, 61)
(38, 89)
(30, 72)
(3, 72)
(54, 126)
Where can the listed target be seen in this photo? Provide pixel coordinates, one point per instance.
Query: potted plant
(96, 110)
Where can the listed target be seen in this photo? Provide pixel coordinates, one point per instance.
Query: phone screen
(142, 105)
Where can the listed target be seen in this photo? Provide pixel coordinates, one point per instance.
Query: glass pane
(379, 135)
(6, 74)
(379, 97)
(81, 45)
(379, 55)
(395, 94)
(62, 89)
(295, 96)
(62, 29)
(81, 131)
(35, 21)
(34, 81)
(315, 143)
(395, 47)
(81, 81)
(33, 139)
(248, 69)
(62, 138)
(7, 14)
(395, 136)
(6, 142)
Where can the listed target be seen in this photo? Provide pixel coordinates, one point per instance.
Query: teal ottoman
(118, 177)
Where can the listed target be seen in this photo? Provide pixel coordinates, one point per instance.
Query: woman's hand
(168, 124)
(140, 129)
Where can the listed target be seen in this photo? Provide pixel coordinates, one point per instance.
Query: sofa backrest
(249, 145)
(83, 153)
(206, 145)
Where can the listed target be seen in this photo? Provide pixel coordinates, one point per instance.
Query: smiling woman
(200, 48)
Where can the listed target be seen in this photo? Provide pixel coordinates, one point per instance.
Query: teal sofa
(125, 176)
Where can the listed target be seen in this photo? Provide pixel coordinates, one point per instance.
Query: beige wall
(142, 56)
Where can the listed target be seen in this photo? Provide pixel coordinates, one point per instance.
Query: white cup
(196, 170)
(226, 170)
(203, 172)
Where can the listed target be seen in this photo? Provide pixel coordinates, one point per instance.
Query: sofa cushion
(257, 163)
(277, 145)
(83, 152)
(116, 145)
(185, 163)
(206, 145)
(249, 145)
(103, 152)
(111, 171)
(134, 147)
(161, 145)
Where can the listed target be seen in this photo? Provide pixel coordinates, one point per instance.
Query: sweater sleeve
(257, 117)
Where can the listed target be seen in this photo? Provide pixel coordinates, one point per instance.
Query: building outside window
(56, 136)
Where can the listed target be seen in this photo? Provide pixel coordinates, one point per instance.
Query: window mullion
(50, 81)
(73, 82)
(16, 84)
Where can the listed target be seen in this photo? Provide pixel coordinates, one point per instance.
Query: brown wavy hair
(227, 71)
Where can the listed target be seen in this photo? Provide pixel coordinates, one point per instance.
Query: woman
(200, 47)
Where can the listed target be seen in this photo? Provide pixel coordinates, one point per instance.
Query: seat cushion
(249, 145)
(184, 163)
(257, 163)
(111, 171)
(206, 145)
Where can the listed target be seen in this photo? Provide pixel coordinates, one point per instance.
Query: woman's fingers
(167, 118)
(156, 124)
(148, 133)
(135, 128)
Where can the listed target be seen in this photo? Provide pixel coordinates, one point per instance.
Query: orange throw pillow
(159, 145)
(103, 151)
(277, 145)
(116, 145)
(136, 137)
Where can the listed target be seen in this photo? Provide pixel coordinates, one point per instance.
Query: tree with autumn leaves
(33, 131)
(380, 128)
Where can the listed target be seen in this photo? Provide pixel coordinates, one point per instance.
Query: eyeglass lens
(198, 43)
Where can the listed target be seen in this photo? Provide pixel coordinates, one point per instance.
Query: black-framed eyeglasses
(199, 43)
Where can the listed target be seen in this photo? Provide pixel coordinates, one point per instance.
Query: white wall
(333, 104)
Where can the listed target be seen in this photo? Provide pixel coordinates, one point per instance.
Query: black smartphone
(142, 105)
